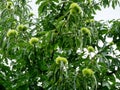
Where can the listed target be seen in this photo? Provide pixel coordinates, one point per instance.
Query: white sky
(104, 14)
(108, 14)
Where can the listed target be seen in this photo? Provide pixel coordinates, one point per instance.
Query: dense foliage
(63, 48)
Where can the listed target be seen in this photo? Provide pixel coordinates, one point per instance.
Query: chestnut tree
(64, 48)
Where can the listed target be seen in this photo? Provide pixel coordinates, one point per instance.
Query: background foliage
(33, 67)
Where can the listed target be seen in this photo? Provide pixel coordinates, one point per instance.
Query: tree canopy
(64, 48)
